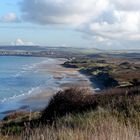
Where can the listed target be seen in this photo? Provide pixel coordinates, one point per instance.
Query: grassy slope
(108, 72)
(92, 125)
(76, 114)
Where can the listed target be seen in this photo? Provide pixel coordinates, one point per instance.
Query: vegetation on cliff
(79, 114)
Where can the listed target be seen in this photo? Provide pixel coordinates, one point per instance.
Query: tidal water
(20, 77)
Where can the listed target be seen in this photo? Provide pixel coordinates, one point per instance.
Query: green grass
(76, 114)
(121, 73)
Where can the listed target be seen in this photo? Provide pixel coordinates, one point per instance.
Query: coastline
(65, 78)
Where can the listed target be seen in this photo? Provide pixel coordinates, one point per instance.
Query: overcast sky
(103, 24)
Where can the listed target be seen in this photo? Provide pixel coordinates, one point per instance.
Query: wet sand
(64, 78)
(67, 78)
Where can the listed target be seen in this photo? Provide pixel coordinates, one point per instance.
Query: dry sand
(60, 73)
(66, 78)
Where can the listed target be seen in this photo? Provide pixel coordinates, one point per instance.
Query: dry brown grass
(78, 101)
(76, 114)
(98, 125)
(104, 130)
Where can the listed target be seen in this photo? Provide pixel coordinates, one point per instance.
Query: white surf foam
(33, 90)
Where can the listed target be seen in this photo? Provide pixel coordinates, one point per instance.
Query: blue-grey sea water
(20, 77)
(23, 77)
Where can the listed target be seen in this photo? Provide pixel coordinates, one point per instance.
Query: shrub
(75, 100)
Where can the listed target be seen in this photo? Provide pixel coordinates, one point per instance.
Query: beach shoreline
(76, 79)
(66, 78)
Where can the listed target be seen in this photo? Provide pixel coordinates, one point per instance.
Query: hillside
(78, 114)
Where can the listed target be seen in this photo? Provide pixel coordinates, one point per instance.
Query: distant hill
(85, 51)
(22, 48)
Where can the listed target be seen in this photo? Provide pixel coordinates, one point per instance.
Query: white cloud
(120, 28)
(9, 17)
(20, 42)
(128, 5)
(125, 27)
(108, 22)
(72, 12)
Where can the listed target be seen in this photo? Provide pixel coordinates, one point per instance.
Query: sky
(102, 24)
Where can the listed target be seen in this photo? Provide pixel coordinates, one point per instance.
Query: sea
(21, 77)
(24, 77)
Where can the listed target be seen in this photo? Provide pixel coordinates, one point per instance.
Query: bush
(72, 100)
(77, 100)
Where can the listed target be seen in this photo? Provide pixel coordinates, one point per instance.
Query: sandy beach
(65, 77)
(62, 78)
